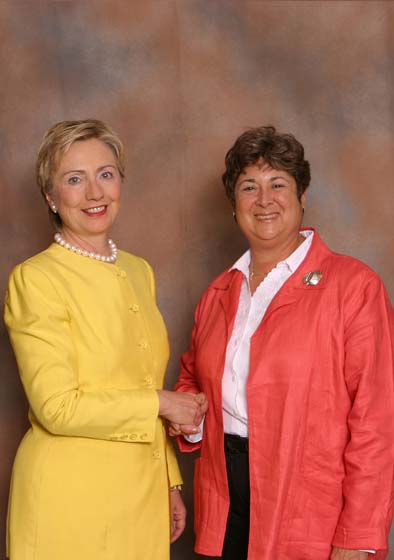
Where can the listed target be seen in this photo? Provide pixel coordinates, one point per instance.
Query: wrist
(163, 401)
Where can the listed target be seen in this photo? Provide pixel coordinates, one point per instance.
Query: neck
(96, 244)
(264, 259)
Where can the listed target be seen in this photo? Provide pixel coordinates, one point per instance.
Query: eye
(248, 187)
(74, 180)
(107, 174)
(277, 186)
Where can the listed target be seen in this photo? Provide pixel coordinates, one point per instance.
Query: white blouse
(250, 313)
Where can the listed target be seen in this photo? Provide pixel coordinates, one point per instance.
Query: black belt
(235, 444)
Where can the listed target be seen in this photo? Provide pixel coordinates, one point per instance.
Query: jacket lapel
(229, 284)
(295, 287)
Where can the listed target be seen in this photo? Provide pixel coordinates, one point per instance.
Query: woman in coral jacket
(94, 477)
(293, 347)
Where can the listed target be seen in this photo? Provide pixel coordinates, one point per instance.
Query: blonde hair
(58, 139)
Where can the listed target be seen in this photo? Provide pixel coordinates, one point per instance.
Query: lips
(95, 211)
(266, 217)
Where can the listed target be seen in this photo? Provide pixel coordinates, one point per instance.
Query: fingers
(188, 429)
(174, 429)
(178, 526)
(182, 429)
(182, 407)
(178, 515)
(202, 401)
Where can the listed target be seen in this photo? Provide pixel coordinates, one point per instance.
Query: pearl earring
(235, 216)
(53, 207)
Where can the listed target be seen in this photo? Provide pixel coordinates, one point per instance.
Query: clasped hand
(184, 411)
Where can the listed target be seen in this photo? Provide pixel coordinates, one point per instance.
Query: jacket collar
(315, 256)
(293, 289)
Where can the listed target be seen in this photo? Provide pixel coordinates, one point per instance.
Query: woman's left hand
(178, 515)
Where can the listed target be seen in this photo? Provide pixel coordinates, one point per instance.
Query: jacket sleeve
(369, 455)
(187, 381)
(40, 333)
(174, 473)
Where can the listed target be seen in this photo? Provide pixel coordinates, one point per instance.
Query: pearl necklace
(91, 254)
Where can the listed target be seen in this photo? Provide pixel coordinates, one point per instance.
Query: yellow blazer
(91, 476)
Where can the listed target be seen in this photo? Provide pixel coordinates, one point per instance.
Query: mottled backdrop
(179, 80)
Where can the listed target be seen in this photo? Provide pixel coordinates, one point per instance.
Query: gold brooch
(313, 278)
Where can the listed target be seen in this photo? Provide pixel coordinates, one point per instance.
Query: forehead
(82, 153)
(263, 170)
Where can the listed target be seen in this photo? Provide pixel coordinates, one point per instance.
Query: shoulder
(350, 271)
(38, 265)
(219, 285)
(134, 263)
(340, 269)
(357, 289)
(32, 290)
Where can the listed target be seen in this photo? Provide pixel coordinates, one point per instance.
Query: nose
(264, 196)
(94, 190)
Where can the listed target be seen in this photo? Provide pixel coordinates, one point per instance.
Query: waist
(235, 444)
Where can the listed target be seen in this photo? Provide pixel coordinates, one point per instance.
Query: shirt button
(143, 344)
(156, 455)
(122, 273)
(148, 380)
(135, 307)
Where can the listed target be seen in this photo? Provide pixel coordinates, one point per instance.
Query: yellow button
(156, 455)
(148, 380)
(143, 344)
(135, 307)
(122, 273)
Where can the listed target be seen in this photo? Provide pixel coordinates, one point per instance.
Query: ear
(303, 200)
(51, 203)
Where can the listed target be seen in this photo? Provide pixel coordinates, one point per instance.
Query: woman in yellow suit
(94, 477)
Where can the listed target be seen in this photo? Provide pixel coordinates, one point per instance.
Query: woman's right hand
(182, 408)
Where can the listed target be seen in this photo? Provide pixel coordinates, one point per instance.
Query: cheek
(115, 192)
(69, 200)
(242, 205)
(297, 212)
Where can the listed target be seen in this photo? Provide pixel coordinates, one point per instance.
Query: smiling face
(86, 189)
(268, 210)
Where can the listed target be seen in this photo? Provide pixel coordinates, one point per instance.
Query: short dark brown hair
(281, 151)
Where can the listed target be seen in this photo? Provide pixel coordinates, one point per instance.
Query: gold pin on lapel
(313, 278)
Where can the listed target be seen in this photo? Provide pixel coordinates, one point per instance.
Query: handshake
(184, 411)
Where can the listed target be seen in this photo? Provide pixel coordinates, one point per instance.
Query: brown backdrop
(179, 80)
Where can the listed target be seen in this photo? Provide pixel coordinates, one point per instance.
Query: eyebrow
(251, 180)
(279, 177)
(83, 172)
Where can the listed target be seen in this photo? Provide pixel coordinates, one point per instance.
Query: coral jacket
(321, 413)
